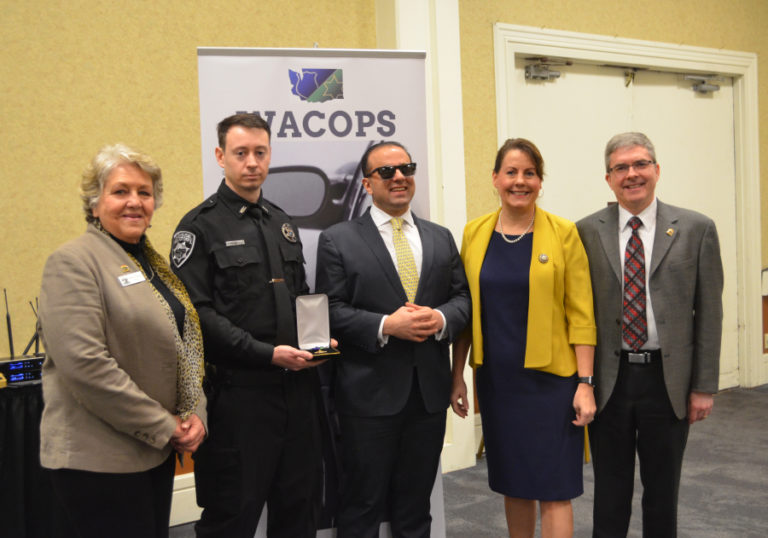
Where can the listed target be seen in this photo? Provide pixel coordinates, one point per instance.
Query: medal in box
(313, 326)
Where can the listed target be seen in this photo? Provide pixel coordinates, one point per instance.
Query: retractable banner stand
(324, 107)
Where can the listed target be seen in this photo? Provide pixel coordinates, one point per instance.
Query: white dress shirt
(382, 222)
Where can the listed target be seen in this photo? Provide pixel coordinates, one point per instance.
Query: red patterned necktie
(634, 327)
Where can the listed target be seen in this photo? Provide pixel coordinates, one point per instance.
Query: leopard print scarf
(189, 346)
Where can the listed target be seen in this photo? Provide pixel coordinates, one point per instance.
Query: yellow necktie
(406, 266)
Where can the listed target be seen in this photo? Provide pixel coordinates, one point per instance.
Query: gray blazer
(109, 377)
(357, 272)
(686, 288)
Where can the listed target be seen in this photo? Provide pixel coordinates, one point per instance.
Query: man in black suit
(657, 281)
(398, 298)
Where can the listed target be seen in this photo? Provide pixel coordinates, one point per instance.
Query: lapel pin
(125, 268)
(670, 232)
(543, 258)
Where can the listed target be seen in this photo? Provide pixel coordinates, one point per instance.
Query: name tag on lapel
(131, 278)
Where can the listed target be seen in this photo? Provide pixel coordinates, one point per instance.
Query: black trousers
(263, 447)
(390, 461)
(637, 418)
(119, 505)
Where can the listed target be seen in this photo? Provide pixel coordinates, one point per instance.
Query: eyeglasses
(639, 166)
(388, 172)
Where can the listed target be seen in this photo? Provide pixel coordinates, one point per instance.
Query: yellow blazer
(560, 312)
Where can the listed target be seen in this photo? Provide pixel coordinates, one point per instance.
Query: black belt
(641, 356)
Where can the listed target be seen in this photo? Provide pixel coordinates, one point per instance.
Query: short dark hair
(242, 119)
(527, 147)
(364, 160)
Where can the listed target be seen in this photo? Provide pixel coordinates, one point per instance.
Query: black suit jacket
(357, 273)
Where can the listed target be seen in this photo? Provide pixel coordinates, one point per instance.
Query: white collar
(381, 217)
(647, 216)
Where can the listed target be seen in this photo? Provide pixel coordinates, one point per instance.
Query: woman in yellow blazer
(532, 340)
(122, 377)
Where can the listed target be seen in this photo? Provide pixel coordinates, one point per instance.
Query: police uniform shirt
(220, 254)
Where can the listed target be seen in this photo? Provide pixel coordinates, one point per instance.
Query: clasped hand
(188, 434)
(413, 322)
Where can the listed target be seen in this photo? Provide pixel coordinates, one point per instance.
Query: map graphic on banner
(317, 85)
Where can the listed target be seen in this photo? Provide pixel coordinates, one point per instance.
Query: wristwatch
(589, 380)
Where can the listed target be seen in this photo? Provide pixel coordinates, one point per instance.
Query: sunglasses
(388, 172)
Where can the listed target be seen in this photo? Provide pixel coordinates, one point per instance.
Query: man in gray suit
(657, 280)
(398, 298)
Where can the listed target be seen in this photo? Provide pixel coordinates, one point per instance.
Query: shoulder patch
(182, 247)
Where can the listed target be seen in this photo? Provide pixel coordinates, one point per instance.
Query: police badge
(288, 232)
(183, 244)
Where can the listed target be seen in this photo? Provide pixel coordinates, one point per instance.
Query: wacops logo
(317, 85)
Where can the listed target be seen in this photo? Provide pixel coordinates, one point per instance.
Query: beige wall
(78, 74)
(735, 25)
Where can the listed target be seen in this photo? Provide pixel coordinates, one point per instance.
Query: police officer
(241, 260)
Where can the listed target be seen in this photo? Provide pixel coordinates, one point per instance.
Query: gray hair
(104, 162)
(628, 140)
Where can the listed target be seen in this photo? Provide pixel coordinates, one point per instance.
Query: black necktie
(285, 328)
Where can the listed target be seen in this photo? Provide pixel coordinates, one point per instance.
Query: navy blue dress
(533, 450)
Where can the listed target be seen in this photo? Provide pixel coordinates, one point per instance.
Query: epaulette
(208, 203)
(273, 205)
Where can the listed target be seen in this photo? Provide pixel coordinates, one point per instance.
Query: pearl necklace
(519, 237)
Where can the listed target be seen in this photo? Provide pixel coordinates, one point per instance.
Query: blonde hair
(104, 162)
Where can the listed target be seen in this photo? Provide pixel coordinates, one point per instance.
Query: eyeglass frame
(639, 165)
(386, 176)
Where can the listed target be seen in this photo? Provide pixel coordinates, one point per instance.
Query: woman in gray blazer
(122, 378)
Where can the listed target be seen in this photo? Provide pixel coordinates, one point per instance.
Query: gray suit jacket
(357, 272)
(686, 287)
(109, 378)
